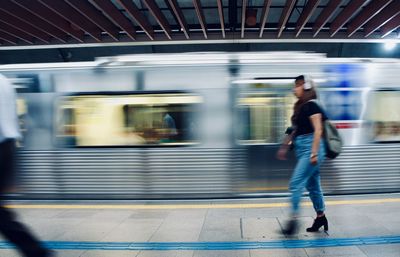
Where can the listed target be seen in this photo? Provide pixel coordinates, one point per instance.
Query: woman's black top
(303, 122)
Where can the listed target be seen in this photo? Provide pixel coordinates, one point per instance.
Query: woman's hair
(308, 95)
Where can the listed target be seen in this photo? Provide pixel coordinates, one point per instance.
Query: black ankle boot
(291, 228)
(319, 222)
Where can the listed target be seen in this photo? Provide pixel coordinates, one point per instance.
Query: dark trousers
(13, 230)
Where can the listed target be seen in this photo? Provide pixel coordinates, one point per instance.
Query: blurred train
(198, 125)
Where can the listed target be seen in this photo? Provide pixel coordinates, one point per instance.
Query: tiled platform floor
(227, 221)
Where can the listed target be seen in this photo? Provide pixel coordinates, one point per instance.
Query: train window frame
(22, 114)
(189, 101)
(287, 99)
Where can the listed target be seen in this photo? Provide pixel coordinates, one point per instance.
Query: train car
(198, 125)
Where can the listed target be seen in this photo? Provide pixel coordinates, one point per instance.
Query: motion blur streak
(198, 125)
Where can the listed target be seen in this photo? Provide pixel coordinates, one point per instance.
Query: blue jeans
(306, 175)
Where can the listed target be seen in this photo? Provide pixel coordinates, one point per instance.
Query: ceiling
(53, 23)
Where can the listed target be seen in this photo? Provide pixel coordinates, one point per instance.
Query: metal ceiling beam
(215, 37)
(172, 12)
(159, 16)
(8, 38)
(116, 16)
(24, 26)
(264, 15)
(21, 13)
(139, 18)
(285, 15)
(305, 15)
(221, 16)
(390, 26)
(325, 15)
(179, 15)
(76, 18)
(244, 4)
(345, 15)
(37, 22)
(366, 14)
(16, 32)
(95, 16)
(200, 16)
(382, 18)
(54, 19)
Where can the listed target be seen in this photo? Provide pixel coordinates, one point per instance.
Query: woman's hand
(314, 159)
(281, 154)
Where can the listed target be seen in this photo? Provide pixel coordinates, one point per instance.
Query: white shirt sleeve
(9, 127)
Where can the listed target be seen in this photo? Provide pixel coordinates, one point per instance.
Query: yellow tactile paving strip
(196, 206)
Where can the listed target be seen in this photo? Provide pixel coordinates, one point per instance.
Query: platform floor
(359, 226)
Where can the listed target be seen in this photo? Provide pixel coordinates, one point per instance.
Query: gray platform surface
(225, 221)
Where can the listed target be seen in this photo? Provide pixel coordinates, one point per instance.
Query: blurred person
(306, 134)
(131, 137)
(12, 230)
(379, 130)
(169, 127)
(396, 131)
(193, 130)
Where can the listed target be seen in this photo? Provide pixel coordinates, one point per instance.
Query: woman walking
(306, 134)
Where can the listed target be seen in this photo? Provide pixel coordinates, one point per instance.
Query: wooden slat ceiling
(56, 22)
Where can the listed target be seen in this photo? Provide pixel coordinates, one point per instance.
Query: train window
(66, 129)
(386, 116)
(22, 111)
(263, 118)
(123, 120)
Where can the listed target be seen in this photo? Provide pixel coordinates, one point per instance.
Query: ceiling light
(389, 45)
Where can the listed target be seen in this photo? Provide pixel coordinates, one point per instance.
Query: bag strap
(319, 105)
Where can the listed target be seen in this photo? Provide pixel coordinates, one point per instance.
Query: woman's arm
(316, 120)
(283, 149)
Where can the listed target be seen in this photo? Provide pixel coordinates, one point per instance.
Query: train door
(262, 117)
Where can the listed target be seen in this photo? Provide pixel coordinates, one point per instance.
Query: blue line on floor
(239, 245)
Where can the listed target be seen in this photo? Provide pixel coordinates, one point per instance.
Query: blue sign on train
(345, 75)
(342, 105)
(342, 94)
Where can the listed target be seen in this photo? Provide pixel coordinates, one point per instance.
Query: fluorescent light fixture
(389, 45)
(271, 81)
